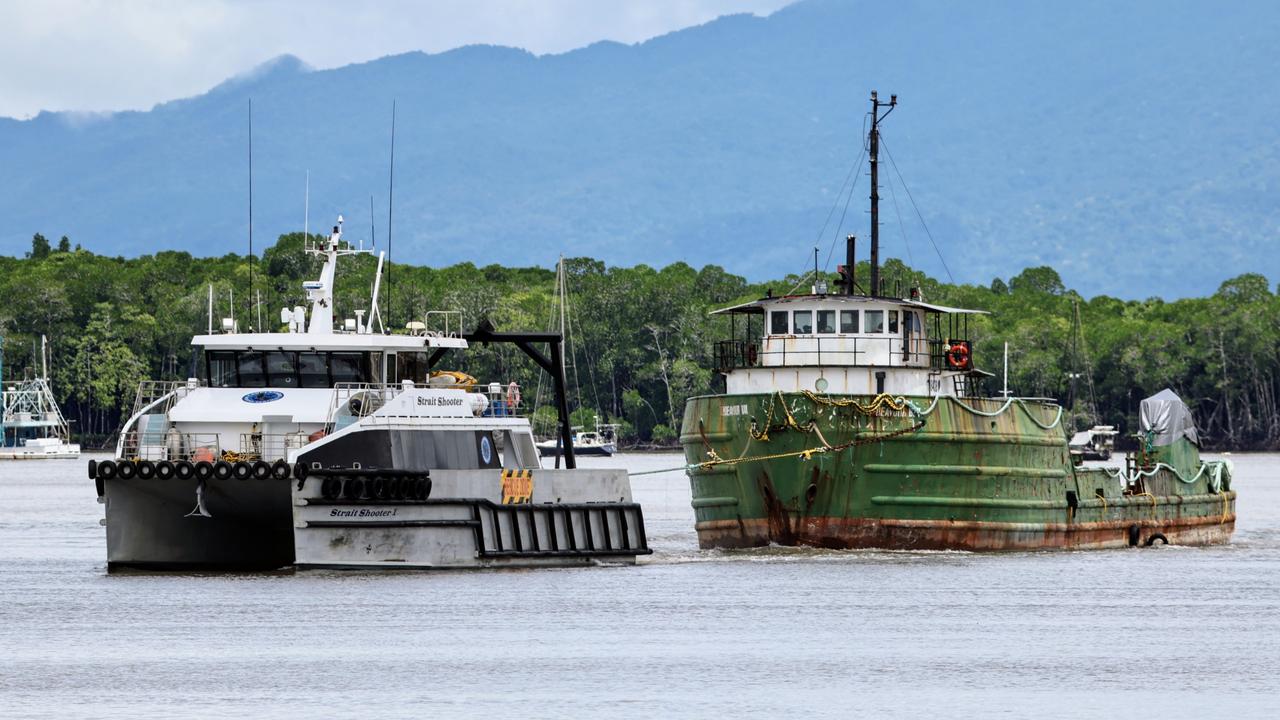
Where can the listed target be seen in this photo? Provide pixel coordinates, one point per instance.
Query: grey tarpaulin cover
(1167, 418)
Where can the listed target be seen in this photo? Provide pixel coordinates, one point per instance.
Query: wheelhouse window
(282, 369)
(222, 369)
(347, 368)
(411, 366)
(826, 321)
(875, 321)
(313, 370)
(848, 321)
(778, 322)
(803, 322)
(893, 321)
(287, 368)
(249, 365)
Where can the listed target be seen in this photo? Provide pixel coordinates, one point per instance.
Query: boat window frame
(830, 313)
(795, 322)
(867, 326)
(854, 313)
(773, 322)
(244, 356)
(301, 379)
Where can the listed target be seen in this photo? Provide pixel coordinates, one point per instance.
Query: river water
(1160, 632)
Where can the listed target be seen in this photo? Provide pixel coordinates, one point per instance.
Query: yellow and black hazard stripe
(517, 487)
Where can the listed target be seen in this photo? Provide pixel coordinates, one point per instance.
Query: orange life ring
(958, 356)
(513, 395)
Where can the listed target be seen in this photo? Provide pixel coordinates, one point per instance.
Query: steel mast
(873, 152)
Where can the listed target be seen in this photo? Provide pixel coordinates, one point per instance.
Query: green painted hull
(972, 474)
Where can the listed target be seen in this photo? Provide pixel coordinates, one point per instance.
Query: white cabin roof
(325, 341)
(757, 307)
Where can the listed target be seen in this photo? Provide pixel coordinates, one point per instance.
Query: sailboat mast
(564, 363)
(873, 153)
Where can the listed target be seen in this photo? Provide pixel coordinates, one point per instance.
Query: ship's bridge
(846, 344)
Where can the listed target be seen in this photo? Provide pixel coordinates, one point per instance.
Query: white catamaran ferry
(343, 447)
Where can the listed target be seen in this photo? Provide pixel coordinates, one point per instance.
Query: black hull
(151, 524)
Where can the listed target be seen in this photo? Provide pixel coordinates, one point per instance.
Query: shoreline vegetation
(642, 335)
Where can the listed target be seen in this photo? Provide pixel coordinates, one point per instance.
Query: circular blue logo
(262, 396)
(486, 450)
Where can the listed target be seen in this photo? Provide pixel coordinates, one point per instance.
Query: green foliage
(640, 338)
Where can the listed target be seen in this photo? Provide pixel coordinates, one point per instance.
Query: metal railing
(888, 351)
(169, 444)
(149, 391)
(444, 323)
(270, 446)
(352, 401)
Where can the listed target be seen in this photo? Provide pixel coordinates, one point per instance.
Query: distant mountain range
(1134, 146)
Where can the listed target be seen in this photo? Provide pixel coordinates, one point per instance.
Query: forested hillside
(643, 335)
(1123, 143)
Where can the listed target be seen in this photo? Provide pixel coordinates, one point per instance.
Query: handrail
(922, 353)
(373, 396)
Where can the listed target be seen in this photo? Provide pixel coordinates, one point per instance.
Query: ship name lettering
(439, 401)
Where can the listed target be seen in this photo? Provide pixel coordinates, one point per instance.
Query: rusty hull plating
(951, 474)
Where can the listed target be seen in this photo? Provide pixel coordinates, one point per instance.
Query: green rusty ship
(859, 421)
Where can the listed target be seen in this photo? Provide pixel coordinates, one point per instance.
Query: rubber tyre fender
(354, 488)
(126, 470)
(107, 469)
(280, 470)
(423, 489)
(242, 470)
(395, 488)
(301, 470)
(146, 469)
(261, 469)
(184, 470)
(331, 488)
(222, 470)
(164, 470)
(203, 469)
(93, 469)
(378, 488)
(1153, 537)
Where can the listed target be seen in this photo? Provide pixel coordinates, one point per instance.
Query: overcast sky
(96, 55)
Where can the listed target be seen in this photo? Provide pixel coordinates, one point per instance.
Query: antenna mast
(873, 142)
(391, 186)
(250, 258)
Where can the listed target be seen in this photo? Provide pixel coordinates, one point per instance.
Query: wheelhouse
(902, 345)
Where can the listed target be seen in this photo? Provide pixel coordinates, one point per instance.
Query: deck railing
(169, 444)
(887, 351)
(352, 401)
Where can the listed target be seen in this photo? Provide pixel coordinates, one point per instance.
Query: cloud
(105, 55)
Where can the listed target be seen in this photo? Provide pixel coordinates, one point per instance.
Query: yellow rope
(808, 453)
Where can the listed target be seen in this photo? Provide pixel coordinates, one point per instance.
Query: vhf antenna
(391, 186)
(250, 258)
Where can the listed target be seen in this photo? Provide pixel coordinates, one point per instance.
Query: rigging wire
(591, 372)
(920, 215)
(854, 174)
(843, 213)
(901, 226)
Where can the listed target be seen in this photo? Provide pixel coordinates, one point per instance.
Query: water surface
(1160, 632)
